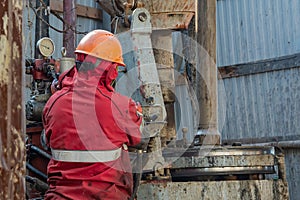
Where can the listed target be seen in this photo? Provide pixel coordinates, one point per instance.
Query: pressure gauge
(45, 46)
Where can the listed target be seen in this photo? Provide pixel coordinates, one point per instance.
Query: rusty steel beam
(261, 66)
(12, 151)
(294, 144)
(69, 10)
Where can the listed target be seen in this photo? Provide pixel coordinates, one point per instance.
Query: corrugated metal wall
(262, 105)
(28, 31)
(292, 158)
(250, 30)
(266, 104)
(28, 43)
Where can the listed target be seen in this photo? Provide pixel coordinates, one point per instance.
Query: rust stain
(177, 20)
(157, 6)
(181, 26)
(15, 50)
(4, 59)
(5, 23)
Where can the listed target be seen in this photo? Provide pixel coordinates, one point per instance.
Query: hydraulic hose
(40, 152)
(37, 184)
(36, 171)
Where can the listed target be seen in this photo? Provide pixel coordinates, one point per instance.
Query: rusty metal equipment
(223, 172)
(43, 71)
(213, 164)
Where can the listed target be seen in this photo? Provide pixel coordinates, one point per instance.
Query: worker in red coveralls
(88, 126)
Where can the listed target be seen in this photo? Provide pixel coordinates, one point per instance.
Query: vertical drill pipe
(206, 78)
(163, 54)
(41, 28)
(69, 26)
(12, 124)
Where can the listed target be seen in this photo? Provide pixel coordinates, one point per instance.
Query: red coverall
(86, 114)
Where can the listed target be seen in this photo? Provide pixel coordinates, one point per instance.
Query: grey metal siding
(251, 30)
(88, 3)
(28, 32)
(28, 43)
(262, 105)
(292, 160)
(57, 37)
(86, 25)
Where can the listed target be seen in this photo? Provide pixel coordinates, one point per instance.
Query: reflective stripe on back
(86, 156)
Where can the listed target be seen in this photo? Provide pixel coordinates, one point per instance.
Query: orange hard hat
(101, 44)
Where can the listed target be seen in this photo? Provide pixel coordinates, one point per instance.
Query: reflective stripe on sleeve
(86, 156)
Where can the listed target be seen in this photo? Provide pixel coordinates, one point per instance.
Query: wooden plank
(83, 11)
(269, 65)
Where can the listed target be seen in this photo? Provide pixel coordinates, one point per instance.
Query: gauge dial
(46, 47)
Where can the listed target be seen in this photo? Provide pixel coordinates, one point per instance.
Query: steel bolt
(142, 17)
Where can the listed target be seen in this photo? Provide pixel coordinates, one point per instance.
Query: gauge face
(46, 46)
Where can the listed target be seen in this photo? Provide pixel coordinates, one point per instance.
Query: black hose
(40, 152)
(29, 179)
(138, 175)
(29, 62)
(36, 171)
(37, 184)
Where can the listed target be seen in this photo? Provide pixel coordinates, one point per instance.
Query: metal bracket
(141, 30)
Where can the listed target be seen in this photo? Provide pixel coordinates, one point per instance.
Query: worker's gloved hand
(142, 145)
(43, 141)
(139, 109)
(54, 86)
(145, 138)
